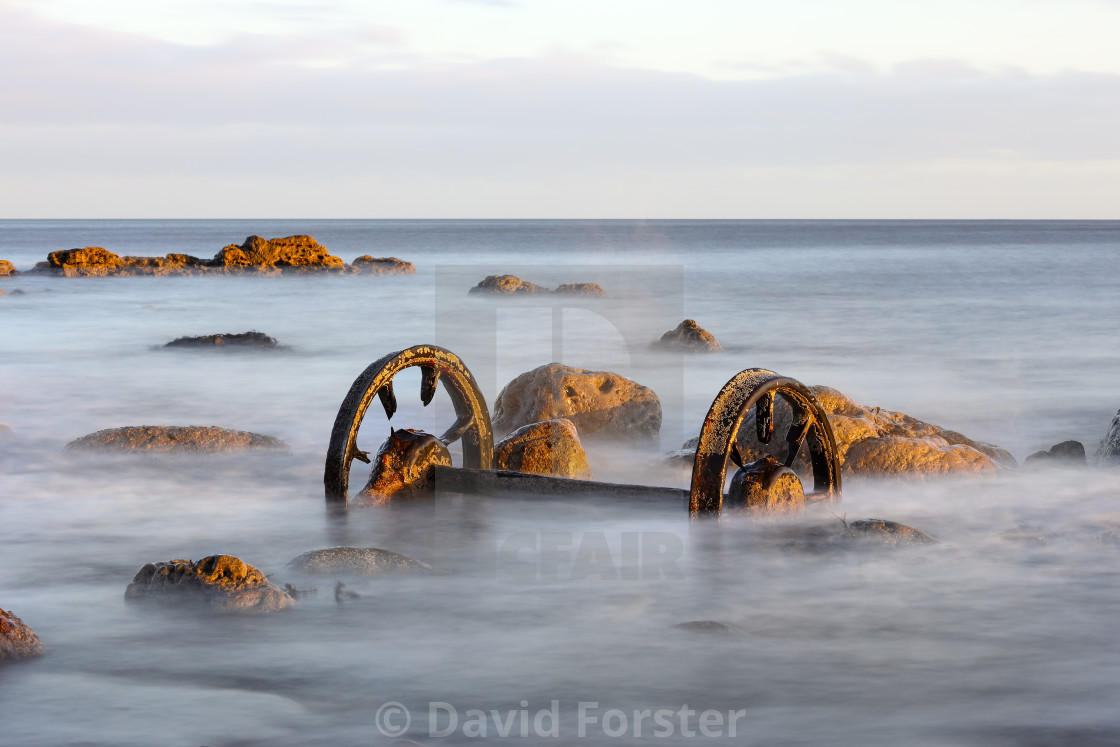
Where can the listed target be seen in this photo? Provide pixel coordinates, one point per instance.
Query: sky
(640, 109)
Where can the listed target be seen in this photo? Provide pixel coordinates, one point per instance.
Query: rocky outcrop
(1109, 450)
(887, 533)
(17, 641)
(272, 256)
(355, 561)
(548, 448)
(1069, 453)
(506, 285)
(384, 266)
(7, 268)
(404, 467)
(598, 403)
(174, 439)
(689, 337)
(220, 582)
(251, 339)
(874, 441)
(581, 289)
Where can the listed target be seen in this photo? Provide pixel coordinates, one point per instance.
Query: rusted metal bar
(502, 482)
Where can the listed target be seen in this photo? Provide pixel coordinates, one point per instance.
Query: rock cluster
(355, 561)
(251, 339)
(551, 447)
(7, 268)
(221, 582)
(17, 641)
(689, 337)
(173, 438)
(292, 254)
(384, 266)
(596, 402)
(513, 285)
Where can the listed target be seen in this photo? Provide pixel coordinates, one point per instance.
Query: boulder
(689, 337)
(91, 261)
(581, 289)
(384, 266)
(597, 402)
(404, 467)
(874, 441)
(220, 582)
(765, 488)
(290, 254)
(1070, 453)
(1109, 450)
(17, 641)
(506, 285)
(551, 447)
(251, 339)
(173, 438)
(887, 532)
(355, 561)
(7, 268)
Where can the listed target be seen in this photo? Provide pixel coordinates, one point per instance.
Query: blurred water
(1003, 634)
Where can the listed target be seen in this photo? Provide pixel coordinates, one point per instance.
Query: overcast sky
(560, 108)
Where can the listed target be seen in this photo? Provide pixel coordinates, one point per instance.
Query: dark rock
(7, 268)
(17, 641)
(581, 289)
(888, 532)
(384, 266)
(220, 582)
(404, 467)
(551, 447)
(597, 402)
(1109, 450)
(709, 627)
(355, 561)
(506, 284)
(173, 438)
(1067, 452)
(689, 337)
(251, 339)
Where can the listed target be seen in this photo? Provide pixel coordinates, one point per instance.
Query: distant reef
(290, 255)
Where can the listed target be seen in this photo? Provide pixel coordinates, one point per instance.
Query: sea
(576, 619)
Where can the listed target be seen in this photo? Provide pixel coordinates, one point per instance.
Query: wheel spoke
(428, 382)
(388, 399)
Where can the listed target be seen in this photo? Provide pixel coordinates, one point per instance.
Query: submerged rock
(581, 289)
(888, 532)
(709, 627)
(384, 266)
(174, 438)
(596, 402)
(404, 466)
(355, 561)
(221, 582)
(1067, 452)
(1109, 450)
(506, 284)
(7, 268)
(551, 447)
(17, 641)
(689, 337)
(251, 339)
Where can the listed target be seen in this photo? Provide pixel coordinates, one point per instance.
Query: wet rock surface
(765, 487)
(404, 467)
(1069, 453)
(290, 254)
(551, 447)
(251, 339)
(888, 533)
(513, 285)
(581, 289)
(7, 269)
(689, 337)
(174, 439)
(355, 561)
(220, 582)
(597, 402)
(1109, 450)
(874, 441)
(384, 266)
(17, 640)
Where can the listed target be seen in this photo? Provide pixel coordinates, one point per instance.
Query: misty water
(1002, 633)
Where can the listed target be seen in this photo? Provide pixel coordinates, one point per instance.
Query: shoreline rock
(17, 640)
(7, 269)
(173, 439)
(250, 339)
(1108, 452)
(689, 337)
(355, 561)
(383, 266)
(1070, 453)
(551, 447)
(223, 583)
(511, 285)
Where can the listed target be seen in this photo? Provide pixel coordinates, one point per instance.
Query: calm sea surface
(1002, 634)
